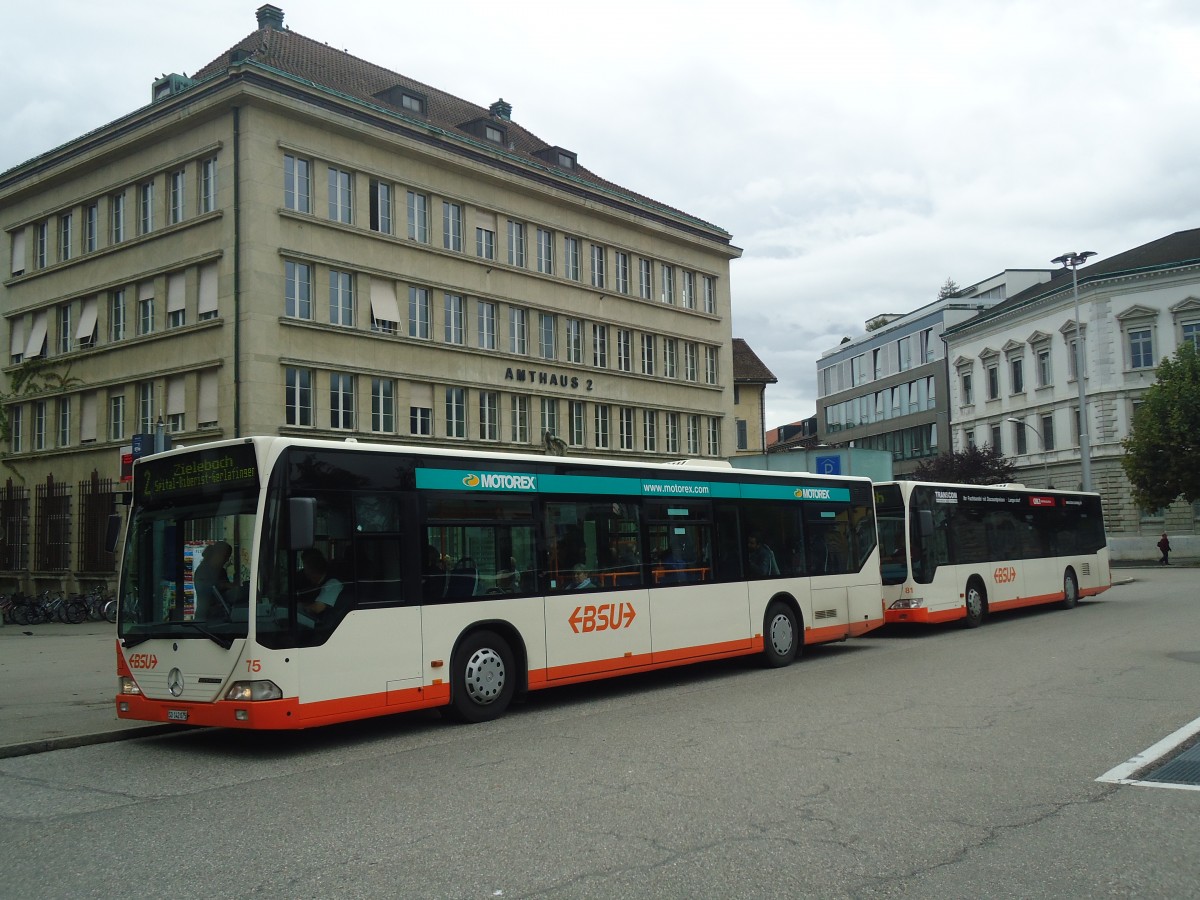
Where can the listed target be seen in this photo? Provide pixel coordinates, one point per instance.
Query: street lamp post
(1045, 460)
(1073, 261)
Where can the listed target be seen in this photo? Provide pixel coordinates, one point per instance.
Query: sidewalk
(59, 687)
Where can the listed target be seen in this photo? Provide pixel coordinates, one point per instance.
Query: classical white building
(1013, 385)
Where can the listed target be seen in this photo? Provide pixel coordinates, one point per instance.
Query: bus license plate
(177, 715)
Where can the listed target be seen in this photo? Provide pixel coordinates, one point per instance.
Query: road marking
(1121, 774)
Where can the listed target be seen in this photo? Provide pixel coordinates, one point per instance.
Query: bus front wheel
(781, 635)
(976, 604)
(1070, 590)
(483, 679)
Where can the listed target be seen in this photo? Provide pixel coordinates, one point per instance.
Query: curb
(68, 742)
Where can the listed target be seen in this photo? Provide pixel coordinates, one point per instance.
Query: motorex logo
(501, 481)
(811, 493)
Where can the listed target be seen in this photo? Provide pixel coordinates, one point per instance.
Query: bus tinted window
(601, 537)
(482, 544)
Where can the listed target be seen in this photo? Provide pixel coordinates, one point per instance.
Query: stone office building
(295, 241)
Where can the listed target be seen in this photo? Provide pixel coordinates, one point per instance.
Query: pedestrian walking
(1164, 547)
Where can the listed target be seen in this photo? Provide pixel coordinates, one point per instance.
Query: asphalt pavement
(60, 681)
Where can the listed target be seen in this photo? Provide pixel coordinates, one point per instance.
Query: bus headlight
(908, 603)
(253, 690)
(127, 687)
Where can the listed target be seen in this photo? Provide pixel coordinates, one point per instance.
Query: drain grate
(1183, 769)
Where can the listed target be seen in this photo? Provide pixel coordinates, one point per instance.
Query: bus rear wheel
(483, 678)
(976, 604)
(1070, 590)
(781, 635)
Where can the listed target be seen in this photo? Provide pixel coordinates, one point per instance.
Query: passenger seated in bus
(582, 580)
(762, 558)
(323, 591)
(211, 581)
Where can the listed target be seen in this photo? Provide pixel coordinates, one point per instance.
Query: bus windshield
(185, 572)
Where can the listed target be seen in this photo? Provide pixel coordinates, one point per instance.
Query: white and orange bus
(281, 583)
(958, 551)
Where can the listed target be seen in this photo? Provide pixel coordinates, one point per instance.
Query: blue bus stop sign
(829, 465)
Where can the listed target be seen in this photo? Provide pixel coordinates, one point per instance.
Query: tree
(949, 289)
(1162, 452)
(971, 466)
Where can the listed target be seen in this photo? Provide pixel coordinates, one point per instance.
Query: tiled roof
(304, 58)
(1178, 249)
(748, 367)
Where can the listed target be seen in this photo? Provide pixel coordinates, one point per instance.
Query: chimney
(501, 110)
(270, 17)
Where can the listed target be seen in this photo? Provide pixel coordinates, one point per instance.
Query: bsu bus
(284, 583)
(960, 551)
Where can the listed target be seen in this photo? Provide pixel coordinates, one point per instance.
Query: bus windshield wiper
(220, 640)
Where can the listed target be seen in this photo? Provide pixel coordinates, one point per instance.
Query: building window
(39, 425)
(693, 435)
(710, 365)
(412, 103)
(743, 434)
(456, 412)
(1141, 348)
(516, 244)
(341, 208)
(622, 272)
(66, 238)
(673, 432)
(650, 431)
(645, 279)
(116, 316)
(669, 365)
(175, 199)
(208, 185)
(996, 438)
(626, 428)
(420, 421)
(575, 434)
(64, 422)
(146, 315)
(298, 397)
(624, 350)
(714, 436)
(571, 258)
(381, 207)
(452, 226)
(648, 354)
(485, 243)
(341, 298)
(993, 381)
(545, 251)
(549, 407)
(966, 388)
(297, 282)
(575, 341)
(91, 228)
(691, 362)
(601, 426)
(116, 417)
(418, 313)
(1045, 374)
(1190, 332)
(116, 218)
(520, 420)
(668, 284)
(1016, 374)
(689, 290)
(710, 294)
(146, 407)
(383, 405)
(455, 325)
(487, 325)
(1047, 430)
(341, 401)
(600, 346)
(297, 186)
(65, 336)
(518, 331)
(418, 218)
(1020, 438)
(489, 416)
(146, 208)
(40, 245)
(546, 335)
(598, 267)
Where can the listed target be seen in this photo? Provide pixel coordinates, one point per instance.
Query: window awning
(208, 289)
(87, 319)
(37, 335)
(176, 294)
(383, 301)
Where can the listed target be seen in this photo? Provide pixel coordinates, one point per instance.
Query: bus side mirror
(925, 518)
(112, 532)
(302, 515)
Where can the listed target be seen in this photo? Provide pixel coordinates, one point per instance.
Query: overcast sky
(860, 153)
